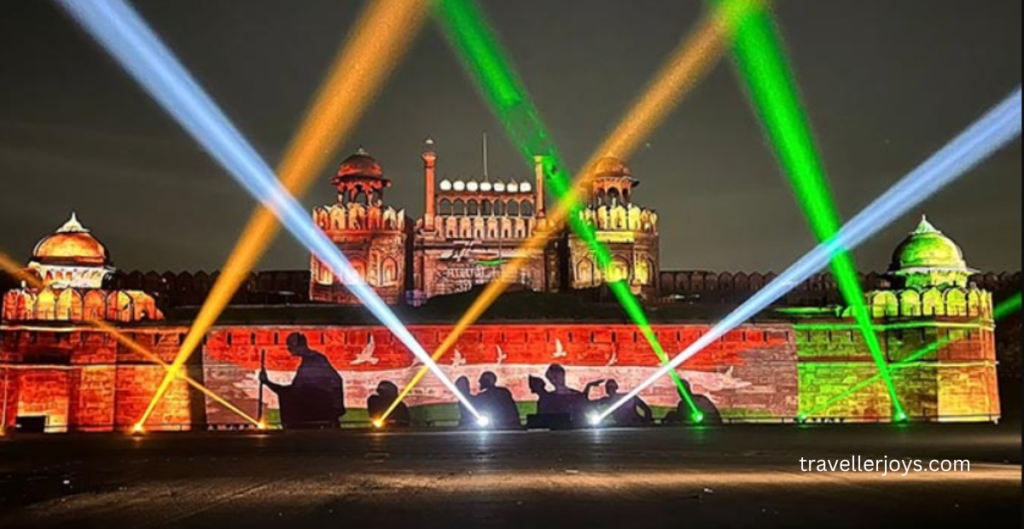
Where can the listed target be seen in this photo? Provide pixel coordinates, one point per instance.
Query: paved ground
(726, 477)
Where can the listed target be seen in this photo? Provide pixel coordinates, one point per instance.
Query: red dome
(361, 165)
(611, 166)
(71, 245)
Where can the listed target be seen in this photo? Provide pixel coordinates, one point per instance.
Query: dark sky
(886, 83)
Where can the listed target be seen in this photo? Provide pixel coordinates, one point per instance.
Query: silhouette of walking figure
(387, 394)
(316, 396)
(497, 403)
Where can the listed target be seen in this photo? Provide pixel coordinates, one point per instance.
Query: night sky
(886, 82)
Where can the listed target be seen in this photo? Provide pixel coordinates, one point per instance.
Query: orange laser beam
(380, 38)
(685, 69)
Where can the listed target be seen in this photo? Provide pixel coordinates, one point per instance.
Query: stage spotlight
(378, 424)
(988, 135)
(125, 35)
(595, 419)
(697, 418)
(483, 421)
(138, 429)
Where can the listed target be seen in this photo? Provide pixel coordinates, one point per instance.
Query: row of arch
(358, 217)
(622, 218)
(74, 305)
(492, 228)
(588, 274)
(510, 207)
(955, 302)
(612, 196)
(387, 273)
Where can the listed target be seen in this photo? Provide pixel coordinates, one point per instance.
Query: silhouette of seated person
(316, 396)
(497, 403)
(562, 408)
(636, 412)
(387, 394)
(466, 418)
(683, 415)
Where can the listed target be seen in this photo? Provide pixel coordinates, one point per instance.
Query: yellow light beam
(19, 273)
(381, 37)
(687, 66)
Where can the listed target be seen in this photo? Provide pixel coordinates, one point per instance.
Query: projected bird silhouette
(458, 360)
(368, 355)
(560, 351)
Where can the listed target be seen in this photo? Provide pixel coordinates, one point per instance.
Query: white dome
(486, 186)
(460, 185)
(513, 187)
(446, 185)
(499, 187)
(525, 187)
(473, 186)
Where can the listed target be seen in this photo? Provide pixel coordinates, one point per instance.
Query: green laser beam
(772, 87)
(1004, 310)
(465, 25)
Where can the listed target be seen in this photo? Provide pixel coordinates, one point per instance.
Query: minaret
(430, 174)
(539, 187)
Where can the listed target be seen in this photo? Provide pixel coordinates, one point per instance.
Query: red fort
(60, 373)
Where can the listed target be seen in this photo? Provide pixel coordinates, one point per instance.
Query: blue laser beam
(117, 27)
(986, 136)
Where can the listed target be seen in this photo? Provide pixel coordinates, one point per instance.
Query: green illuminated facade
(937, 332)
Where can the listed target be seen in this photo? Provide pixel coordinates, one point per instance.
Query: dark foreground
(727, 477)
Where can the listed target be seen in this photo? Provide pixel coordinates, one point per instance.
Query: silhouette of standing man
(316, 396)
(497, 403)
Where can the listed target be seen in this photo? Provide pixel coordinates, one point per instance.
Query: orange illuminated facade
(472, 226)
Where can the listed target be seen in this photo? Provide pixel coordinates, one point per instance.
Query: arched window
(445, 207)
(619, 270)
(585, 272)
(526, 209)
(359, 266)
(499, 208)
(69, 306)
(389, 272)
(613, 197)
(459, 208)
(472, 208)
(486, 209)
(513, 208)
